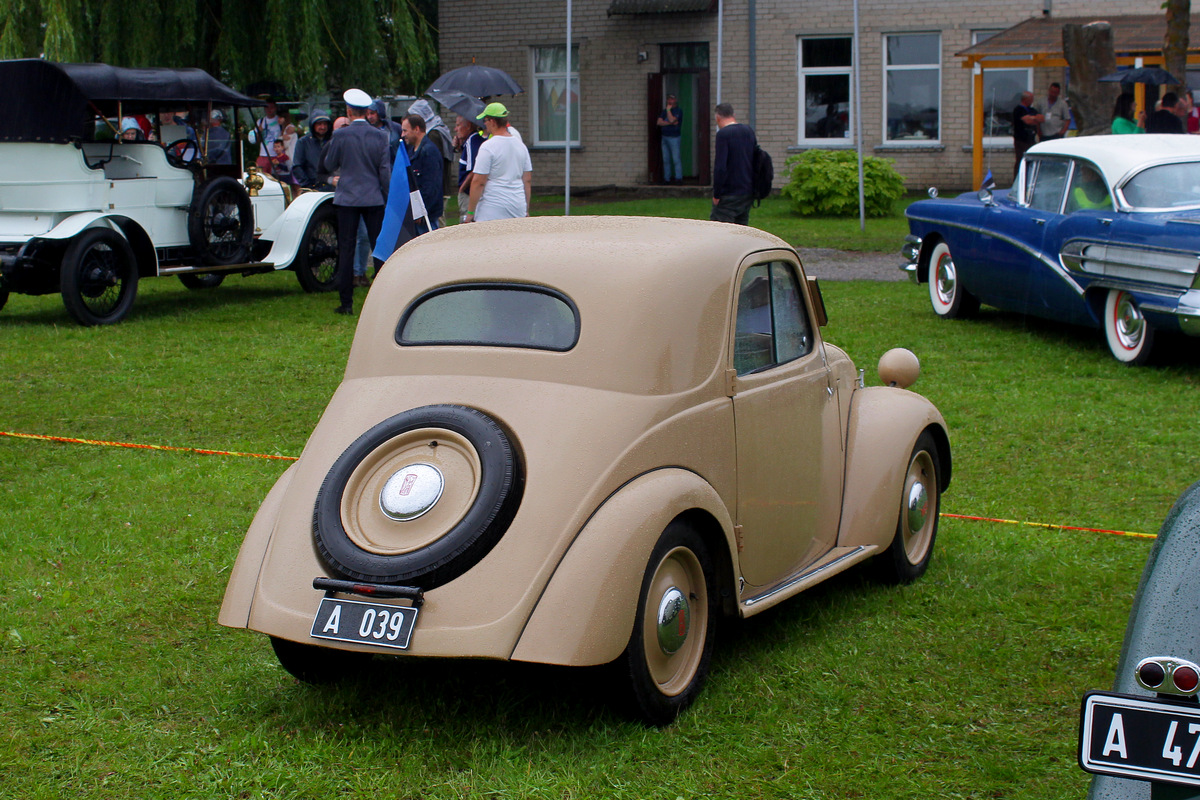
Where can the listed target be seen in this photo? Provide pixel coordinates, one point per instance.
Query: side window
(1088, 189)
(772, 322)
(1045, 179)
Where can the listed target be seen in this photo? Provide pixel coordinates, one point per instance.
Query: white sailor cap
(357, 98)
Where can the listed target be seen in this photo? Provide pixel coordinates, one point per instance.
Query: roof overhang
(658, 6)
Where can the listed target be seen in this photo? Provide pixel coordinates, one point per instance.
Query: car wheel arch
(928, 243)
(141, 243)
(584, 614)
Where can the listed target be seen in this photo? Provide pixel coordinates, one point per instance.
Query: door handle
(1039, 221)
(1104, 221)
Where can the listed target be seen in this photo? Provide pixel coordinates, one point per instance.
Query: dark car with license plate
(1098, 231)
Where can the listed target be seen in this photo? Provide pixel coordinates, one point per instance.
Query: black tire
(946, 294)
(666, 662)
(221, 222)
(318, 665)
(3, 297)
(911, 550)
(202, 280)
(1129, 334)
(316, 263)
(481, 487)
(98, 277)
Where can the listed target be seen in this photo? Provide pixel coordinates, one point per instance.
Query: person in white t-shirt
(502, 180)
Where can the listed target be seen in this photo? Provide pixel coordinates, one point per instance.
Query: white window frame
(538, 77)
(802, 73)
(975, 39)
(888, 69)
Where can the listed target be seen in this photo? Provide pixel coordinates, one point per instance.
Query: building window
(824, 82)
(549, 80)
(913, 75)
(1002, 90)
(689, 56)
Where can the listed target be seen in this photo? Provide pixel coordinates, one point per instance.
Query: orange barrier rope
(1051, 526)
(131, 445)
(66, 440)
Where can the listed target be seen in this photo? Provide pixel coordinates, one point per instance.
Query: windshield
(1165, 186)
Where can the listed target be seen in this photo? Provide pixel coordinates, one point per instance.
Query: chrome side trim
(1173, 268)
(803, 576)
(1054, 265)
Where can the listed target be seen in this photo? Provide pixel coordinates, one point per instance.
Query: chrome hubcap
(674, 619)
(946, 278)
(411, 492)
(918, 506)
(1129, 322)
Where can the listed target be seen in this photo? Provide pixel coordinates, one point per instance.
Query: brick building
(789, 74)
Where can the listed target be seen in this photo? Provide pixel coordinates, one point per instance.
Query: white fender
(287, 232)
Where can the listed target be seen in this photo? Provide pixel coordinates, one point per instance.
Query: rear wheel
(202, 280)
(316, 263)
(946, 294)
(1129, 334)
(908, 556)
(98, 277)
(666, 661)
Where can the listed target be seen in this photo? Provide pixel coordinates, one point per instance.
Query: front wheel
(947, 296)
(667, 658)
(1130, 335)
(98, 277)
(316, 263)
(908, 556)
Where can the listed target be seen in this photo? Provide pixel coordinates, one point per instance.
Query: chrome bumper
(912, 256)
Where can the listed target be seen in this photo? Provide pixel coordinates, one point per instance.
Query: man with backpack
(733, 168)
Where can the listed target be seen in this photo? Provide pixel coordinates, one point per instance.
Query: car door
(1075, 242)
(1014, 235)
(786, 424)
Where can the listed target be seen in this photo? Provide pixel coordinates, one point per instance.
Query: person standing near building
(426, 160)
(305, 167)
(670, 128)
(468, 141)
(1025, 121)
(1169, 117)
(1056, 114)
(502, 182)
(359, 153)
(733, 168)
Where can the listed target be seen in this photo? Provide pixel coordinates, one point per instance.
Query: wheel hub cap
(945, 278)
(1129, 323)
(918, 506)
(411, 492)
(674, 619)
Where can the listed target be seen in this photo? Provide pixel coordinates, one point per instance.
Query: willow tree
(383, 46)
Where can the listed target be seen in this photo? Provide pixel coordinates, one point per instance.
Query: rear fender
(585, 615)
(884, 425)
(287, 232)
(243, 580)
(139, 240)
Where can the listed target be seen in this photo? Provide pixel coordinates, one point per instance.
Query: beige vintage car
(580, 441)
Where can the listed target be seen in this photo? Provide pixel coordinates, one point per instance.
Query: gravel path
(842, 265)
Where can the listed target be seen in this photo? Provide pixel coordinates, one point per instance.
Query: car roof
(653, 296)
(1117, 155)
(46, 101)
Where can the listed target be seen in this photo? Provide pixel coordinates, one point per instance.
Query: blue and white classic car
(1102, 231)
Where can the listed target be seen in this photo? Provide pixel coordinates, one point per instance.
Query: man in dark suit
(1025, 122)
(360, 155)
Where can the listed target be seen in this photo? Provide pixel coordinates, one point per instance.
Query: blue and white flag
(988, 181)
(396, 209)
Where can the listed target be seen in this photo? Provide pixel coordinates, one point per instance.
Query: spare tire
(221, 222)
(418, 499)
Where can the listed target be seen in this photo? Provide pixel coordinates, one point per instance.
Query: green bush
(825, 183)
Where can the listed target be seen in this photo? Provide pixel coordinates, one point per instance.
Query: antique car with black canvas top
(86, 213)
(1102, 231)
(580, 441)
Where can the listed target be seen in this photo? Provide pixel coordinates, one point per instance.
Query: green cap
(494, 110)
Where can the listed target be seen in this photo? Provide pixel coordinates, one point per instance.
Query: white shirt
(504, 160)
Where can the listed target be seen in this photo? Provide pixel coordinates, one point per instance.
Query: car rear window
(493, 315)
(1165, 186)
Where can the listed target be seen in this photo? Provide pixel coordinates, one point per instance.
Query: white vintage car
(85, 213)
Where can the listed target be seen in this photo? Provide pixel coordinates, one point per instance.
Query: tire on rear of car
(482, 479)
(221, 222)
(98, 277)
(1129, 334)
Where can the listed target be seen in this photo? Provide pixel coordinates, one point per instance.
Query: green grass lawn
(118, 683)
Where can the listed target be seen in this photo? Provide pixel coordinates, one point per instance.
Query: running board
(253, 266)
(835, 561)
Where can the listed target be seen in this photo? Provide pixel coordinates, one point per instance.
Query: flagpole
(862, 201)
(567, 151)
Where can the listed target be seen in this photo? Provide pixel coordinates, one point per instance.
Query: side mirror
(814, 291)
(933, 192)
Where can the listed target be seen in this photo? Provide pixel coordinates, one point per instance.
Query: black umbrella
(1151, 76)
(462, 104)
(477, 80)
